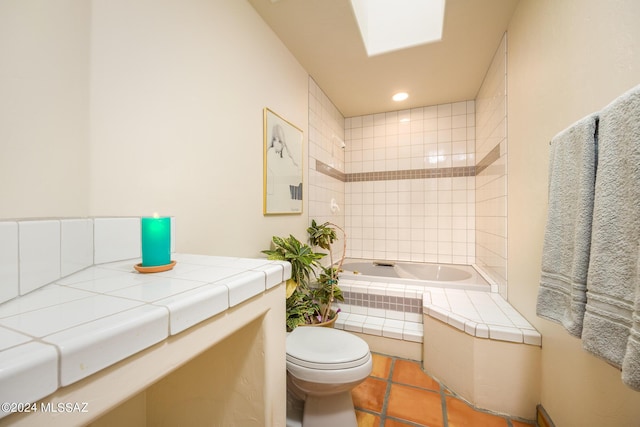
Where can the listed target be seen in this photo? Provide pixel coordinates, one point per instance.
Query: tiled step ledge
(387, 307)
(380, 326)
(387, 336)
(479, 314)
(380, 309)
(386, 315)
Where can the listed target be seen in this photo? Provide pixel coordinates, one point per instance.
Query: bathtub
(413, 273)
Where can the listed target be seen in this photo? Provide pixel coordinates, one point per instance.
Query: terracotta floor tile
(462, 415)
(381, 366)
(366, 419)
(415, 405)
(369, 395)
(522, 424)
(395, 423)
(410, 373)
(414, 400)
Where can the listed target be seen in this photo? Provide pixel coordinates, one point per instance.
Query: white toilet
(323, 366)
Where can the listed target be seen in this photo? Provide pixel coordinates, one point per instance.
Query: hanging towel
(565, 256)
(613, 281)
(631, 362)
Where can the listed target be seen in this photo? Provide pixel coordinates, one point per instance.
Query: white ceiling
(323, 35)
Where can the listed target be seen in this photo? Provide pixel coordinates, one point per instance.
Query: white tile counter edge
(36, 366)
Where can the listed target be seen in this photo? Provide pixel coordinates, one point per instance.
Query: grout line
(443, 398)
(407, 422)
(387, 393)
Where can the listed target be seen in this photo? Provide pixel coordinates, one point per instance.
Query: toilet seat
(326, 349)
(328, 366)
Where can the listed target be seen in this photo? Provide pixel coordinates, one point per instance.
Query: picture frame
(283, 166)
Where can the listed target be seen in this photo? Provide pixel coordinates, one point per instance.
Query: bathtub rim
(478, 281)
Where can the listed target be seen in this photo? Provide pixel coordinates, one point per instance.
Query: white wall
(178, 91)
(566, 59)
(134, 107)
(44, 108)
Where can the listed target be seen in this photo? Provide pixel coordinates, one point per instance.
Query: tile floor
(399, 394)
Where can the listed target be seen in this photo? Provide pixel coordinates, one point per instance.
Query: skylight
(388, 25)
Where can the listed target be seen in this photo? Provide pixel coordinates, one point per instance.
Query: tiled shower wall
(427, 184)
(410, 184)
(491, 171)
(326, 161)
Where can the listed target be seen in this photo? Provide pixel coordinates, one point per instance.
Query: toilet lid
(325, 348)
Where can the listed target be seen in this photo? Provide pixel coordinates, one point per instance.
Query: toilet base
(333, 410)
(295, 408)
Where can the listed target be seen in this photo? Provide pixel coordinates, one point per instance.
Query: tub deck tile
(480, 314)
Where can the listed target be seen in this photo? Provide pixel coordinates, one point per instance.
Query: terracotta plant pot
(329, 323)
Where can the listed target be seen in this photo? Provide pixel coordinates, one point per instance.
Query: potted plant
(323, 236)
(312, 288)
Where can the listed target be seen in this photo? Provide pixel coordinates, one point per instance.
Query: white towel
(565, 256)
(613, 281)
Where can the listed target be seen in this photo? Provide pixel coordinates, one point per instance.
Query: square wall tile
(9, 284)
(116, 239)
(39, 254)
(396, 223)
(76, 245)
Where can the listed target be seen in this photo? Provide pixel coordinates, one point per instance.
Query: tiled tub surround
(491, 170)
(34, 253)
(326, 134)
(80, 324)
(410, 184)
(389, 303)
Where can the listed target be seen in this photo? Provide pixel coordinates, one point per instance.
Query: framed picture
(282, 166)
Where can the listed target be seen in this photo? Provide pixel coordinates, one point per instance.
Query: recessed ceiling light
(387, 25)
(400, 96)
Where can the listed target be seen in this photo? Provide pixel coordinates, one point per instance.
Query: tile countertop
(85, 322)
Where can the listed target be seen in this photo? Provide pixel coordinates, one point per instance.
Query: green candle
(156, 241)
